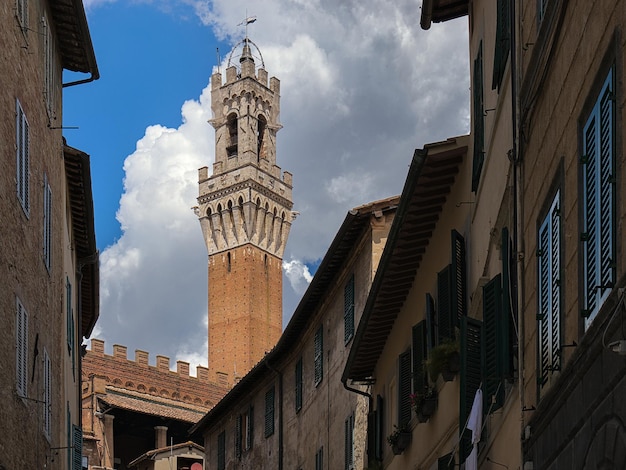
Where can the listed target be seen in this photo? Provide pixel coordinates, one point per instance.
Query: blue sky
(362, 86)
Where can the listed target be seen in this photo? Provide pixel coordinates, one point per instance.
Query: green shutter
(348, 310)
(507, 327)
(420, 380)
(269, 412)
(404, 388)
(478, 118)
(349, 443)
(221, 451)
(379, 428)
(458, 294)
(77, 448)
(319, 354)
(445, 314)
(503, 43)
(431, 323)
(495, 344)
(470, 376)
(446, 462)
(298, 385)
(250, 430)
(238, 432)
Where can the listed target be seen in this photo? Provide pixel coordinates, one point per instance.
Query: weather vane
(247, 21)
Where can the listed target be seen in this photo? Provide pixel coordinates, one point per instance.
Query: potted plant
(424, 404)
(400, 438)
(443, 359)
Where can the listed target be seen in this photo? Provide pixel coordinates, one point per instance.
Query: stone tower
(244, 209)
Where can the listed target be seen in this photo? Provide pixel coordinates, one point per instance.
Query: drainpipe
(518, 234)
(370, 405)
(91, 78)
(280, 416)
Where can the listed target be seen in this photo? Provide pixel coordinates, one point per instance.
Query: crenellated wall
(138, 375)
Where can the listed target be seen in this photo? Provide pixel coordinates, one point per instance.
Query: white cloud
(362, 86)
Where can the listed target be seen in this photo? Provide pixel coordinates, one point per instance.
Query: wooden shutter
(503, 43)
(298, 385)
(446, 462)
(250, 428)
(269, 412)
(445, 315)
(47, 395)
(478, 118)
(21, 348)
(349, 443)
(379, 428)
(549, 293)
(458, 281)
(319, 354)
(507, 327)
(238, 435)
(77, 448)
(470, 376)
(495, 344)
(420, 380)
(431, 323)
(221, 451)
(404, 388)
(599, 202)
(348, 310)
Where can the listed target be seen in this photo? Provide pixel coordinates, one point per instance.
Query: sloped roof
(75, 44)
(151, 405)
(442, 10)
(426, 189)
(78, 175)
(155, 452)
(351, 230)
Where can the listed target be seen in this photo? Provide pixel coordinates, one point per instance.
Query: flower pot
(452, 367)
(402, 442)
(427, 409)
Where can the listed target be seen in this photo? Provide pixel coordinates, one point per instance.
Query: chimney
(160, 437)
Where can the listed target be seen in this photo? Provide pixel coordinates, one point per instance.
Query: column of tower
(244, 208)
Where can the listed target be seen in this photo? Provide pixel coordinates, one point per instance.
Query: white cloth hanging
(475, 424)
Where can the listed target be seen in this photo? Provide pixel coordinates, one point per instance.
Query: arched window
(261, 150)
(232, 126)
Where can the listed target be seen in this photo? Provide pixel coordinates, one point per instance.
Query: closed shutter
(21, 349)
(503, 43)
(349, 443)
(47, 394)
(495, 344)
(379, 428)
(250, 429)
(22, 157)
(431, 323)
(238, 425)
(445, 314)
(319, 355)
(446, 462)
(77, 448)
(47, 223)
(404, 388)
(470, 376)
(348, 310)
(478, 115)
(509, 328)
(299, 385)
(221, 451)
(458, 281)
(269, 412)
(420, 380)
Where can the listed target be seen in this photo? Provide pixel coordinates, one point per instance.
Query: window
(496, 345)
(47, 223)
(420, 379)
(349, 443)
(299, 385)
(249, 427)
(221, 451)
(47, 395)
(69, 313)
(598, 201)
(503, 42)
(379, 428)
(319, 459)
(446, 462)
(348, 310)
(541, 10)
(319, 355)
(478, 118)
(244, 430)
(21, 349)
(451, 282)
(22, 158)
(233, 131)
(238, 438)
(269, 412)
(21, 11)
(549, 292)
(404, 388)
